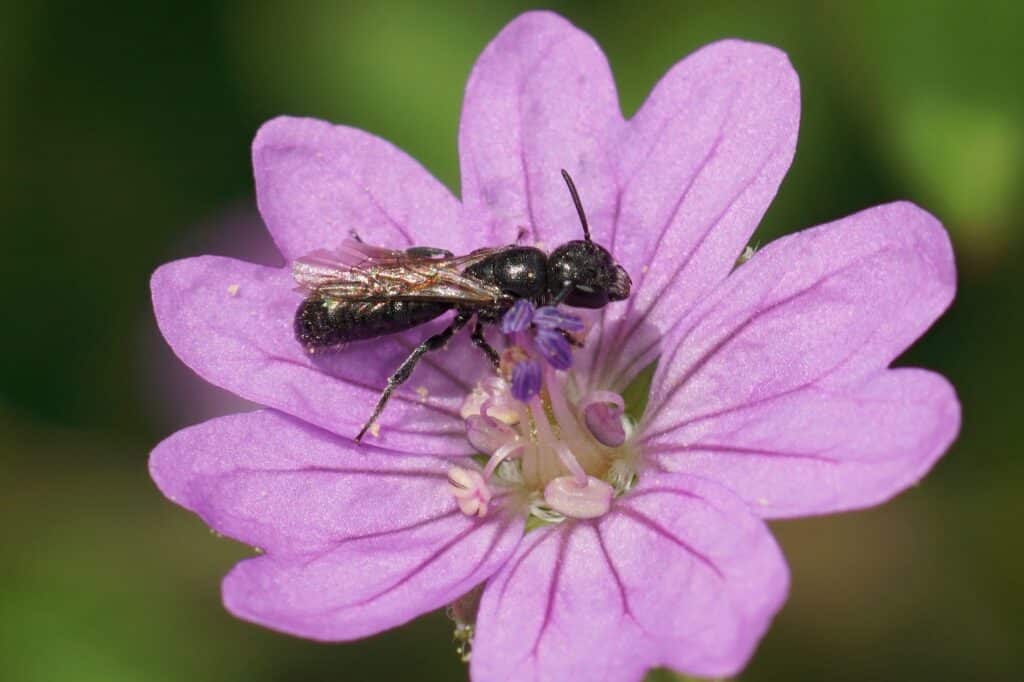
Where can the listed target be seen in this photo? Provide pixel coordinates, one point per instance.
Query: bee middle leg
(477, 337)
(404, 371)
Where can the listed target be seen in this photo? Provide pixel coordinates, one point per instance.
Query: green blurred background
(124, 130)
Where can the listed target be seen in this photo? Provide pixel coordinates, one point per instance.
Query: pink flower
(772, 396)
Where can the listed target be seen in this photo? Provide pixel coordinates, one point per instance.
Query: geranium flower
(772, 396)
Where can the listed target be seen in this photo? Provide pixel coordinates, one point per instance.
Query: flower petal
(817, 451)
(698, 166)
(271, 481)
(317, 182)
(540, 98)
(802, 334)
(231, 322)
(679, 574)
(356, 542)
(831, 305)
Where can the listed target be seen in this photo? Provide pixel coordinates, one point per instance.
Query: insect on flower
(618, 523)
(361, 291)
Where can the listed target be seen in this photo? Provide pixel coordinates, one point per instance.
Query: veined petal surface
(355, 541)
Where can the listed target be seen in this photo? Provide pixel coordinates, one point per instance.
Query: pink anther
(589, 501)
(470, 491)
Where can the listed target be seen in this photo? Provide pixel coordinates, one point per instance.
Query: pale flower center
(562, 454)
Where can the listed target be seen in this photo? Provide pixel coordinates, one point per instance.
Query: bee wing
(361, 272)
(324, 266)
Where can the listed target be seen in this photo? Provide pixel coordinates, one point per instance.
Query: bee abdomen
(324, 324)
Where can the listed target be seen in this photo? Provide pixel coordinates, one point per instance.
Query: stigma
(560, 453)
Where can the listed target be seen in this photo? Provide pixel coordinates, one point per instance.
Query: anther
(518, 317)
(602, 411)
(526, 380)
(470, 491)
(590, 500)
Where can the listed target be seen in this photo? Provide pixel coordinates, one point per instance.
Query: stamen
(474, 402)
(562, 454)
(569, 429)
(603, 411)
(589, 500)
(555, 348)
(547, 467)
(470, 491)
(570, 462)
(488, 435)
(550, 317)
(518, 317)
(526, 380)
(491, 399)
(506, 451)
(505, 411)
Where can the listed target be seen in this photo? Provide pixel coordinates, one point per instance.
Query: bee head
(583, 274)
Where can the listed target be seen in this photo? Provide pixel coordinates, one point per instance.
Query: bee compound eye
(583, 296)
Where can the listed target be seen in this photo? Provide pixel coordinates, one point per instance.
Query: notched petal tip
(540, 97)
(282, 129)
(165, 277)
(173, 281)
(752, 52)
(929, 238)
(317, 182)
(760, 63)
(169, 468)
(536, 19)
(700, 163)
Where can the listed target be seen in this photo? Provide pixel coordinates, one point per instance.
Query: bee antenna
(579, 204)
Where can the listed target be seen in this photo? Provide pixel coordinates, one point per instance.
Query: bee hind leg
(404, 371)
(430, 252)
(477, 337)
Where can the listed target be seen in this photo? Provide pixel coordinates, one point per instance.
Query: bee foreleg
(404, 371)
(477, 337)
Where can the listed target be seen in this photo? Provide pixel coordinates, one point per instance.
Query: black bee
(361, 291)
